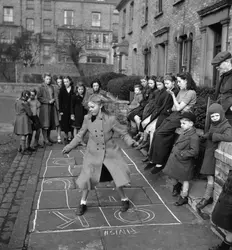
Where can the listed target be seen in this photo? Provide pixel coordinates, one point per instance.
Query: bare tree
(71, 43)
(24, 48)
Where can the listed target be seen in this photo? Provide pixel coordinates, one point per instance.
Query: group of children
(70, 110)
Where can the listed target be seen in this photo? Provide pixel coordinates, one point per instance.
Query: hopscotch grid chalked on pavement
(57, 199)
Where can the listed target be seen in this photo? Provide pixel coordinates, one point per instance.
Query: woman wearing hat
(180, 165)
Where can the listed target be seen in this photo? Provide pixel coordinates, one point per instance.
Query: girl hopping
(103, 158)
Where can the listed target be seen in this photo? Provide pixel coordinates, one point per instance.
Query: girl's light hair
(100, 100)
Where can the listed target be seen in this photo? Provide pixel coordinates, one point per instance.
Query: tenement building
(170, 36)
(49, 20)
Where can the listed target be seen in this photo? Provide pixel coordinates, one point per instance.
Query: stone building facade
(48, 20)
(169, 36)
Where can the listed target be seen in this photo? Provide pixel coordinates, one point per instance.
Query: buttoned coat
(48, 112)
(102, 149)
(180, 164)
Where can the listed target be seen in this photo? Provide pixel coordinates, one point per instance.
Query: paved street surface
(152, 223)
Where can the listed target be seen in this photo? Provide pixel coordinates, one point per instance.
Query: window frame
(98, 21)
(47, 6)
(131, 20)
(124, 23)
(66, 18)
(30, 6)
(49, 51)
(31, 30)
(101, 58)
(47, 31)
(4, 14)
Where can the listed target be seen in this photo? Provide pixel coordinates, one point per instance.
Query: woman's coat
(180, 163)
(48, 112)
(101, 149)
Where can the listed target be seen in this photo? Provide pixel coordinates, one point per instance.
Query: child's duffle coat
(180, 163)
(101, 149)
(23, 123)
(220, 132)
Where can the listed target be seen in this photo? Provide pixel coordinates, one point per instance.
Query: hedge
(103, 77)
(121, 87)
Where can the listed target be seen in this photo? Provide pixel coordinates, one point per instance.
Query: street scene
(115, 125)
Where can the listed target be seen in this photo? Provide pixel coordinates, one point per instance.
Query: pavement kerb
(21, 224)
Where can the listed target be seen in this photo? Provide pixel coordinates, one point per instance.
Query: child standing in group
(103, 159)
(36, 126)
(23, 122)
(138, 97)
(220, 130)
(77, 109)
(180, 164)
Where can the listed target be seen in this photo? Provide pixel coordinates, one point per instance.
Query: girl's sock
(209, 191)
(124, 199)
(185, 189)
(83, 202)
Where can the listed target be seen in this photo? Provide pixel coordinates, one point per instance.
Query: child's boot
(81, 209)
(23, 148)
(204, 202)
(125, 205)
(181, 201)
(223, 246)
(176, 189)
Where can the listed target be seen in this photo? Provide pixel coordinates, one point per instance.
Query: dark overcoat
(65, 99)
(78, 110)
(180, 164)
(139, 110)
(221, 132)
(151, 103)
(222, 212)
(102, 149)
(23, 123)
(162, 106)
(48, 114)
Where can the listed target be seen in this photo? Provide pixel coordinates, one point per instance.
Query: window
(8, 14)
(146, 12)
(147, 61)
(96, 59)
(124, 23)
(47, 23)
(68, 17)
(96, 19)
(105, 40)
(160, 6)
(89, 40)
(30, 24)
(131, 17)
(47, 5)
(30, 4)
(185, 52)
(46, 51)
(96, 40)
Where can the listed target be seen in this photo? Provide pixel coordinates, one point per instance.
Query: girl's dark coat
(221, 132)
(139, 110)
(23, 123)
(222, 213)
(180, 163)
(48, 114)
(102, 149)
(65, 108)
(78, 110)
(162, 106)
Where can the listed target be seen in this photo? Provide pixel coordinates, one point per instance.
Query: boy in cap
(222, 62)
(180, 165)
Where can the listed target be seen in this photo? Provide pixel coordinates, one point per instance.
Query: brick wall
(181, 18)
